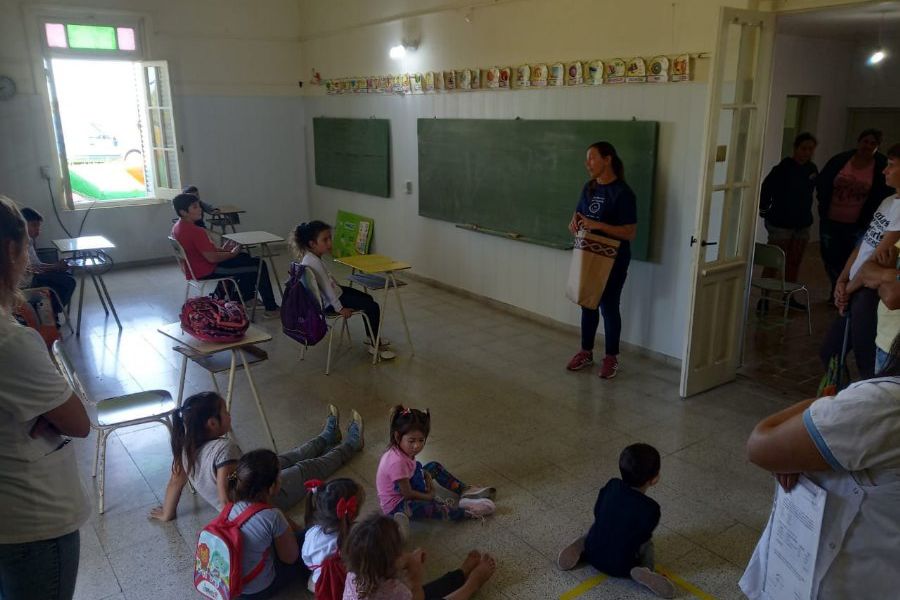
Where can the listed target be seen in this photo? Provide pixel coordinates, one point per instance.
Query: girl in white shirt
(331, 509)
(312, 240)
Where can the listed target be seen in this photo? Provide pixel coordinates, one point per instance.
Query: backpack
(214, 320)
(333, 575)
(217, 565)
(302, 317)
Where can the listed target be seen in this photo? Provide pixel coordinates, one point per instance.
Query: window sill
(100, 204)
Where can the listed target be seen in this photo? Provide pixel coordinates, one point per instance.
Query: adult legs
(794, 255)
(243, 268)
(359, 300)
(46, 569)
(590, 320)
(609, 306)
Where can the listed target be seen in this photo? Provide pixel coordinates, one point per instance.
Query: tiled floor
(505, 412)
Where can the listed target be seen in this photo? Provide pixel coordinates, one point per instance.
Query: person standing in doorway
(607, 207)
(786, 206)
(849, 188)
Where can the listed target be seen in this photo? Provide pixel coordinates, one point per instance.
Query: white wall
(234, 68)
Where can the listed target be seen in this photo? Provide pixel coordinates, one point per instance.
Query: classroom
(448, 137)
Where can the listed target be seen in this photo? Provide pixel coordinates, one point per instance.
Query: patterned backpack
(217, 568)
(302, 318)
(213, 320)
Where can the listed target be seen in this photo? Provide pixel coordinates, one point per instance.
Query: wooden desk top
(373, 263)
(254, 335)
(252, 238)
(228, 209)
(84, 243)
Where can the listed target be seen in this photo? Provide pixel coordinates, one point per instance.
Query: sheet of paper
(794, 543)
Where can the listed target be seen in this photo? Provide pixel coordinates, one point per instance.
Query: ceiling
(850, 23)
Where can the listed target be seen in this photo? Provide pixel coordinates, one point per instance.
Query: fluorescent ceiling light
(397, 52)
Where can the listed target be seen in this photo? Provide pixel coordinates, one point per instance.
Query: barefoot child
(379, 570)
(203, 455)
(620, 542)
(405, 486)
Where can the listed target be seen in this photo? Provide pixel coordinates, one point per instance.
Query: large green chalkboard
(353, 154)
(522, 178)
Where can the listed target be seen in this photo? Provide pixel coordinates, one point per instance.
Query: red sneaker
(583, 359)
(609, 368)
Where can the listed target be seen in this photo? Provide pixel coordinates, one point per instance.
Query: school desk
(250, 239)
(88, 258)
(226, 217)
(374, 264)
(204, 353)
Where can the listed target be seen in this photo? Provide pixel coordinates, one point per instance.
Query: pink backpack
(213, 320)
(217, 568)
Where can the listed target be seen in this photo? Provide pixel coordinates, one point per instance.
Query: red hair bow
(312, 484)
(346, 507)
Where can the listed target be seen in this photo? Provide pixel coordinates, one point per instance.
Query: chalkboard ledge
(515, 237)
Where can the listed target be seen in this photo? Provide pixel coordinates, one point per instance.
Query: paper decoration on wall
(449, 80)
(505, 76)
(658, 69)
(464, 79)
(523, 76)
(329, 86)
(557, 75)
(429, 82)
(438, 81)
(615, 71)
(636, 71)
(405, 84)
(681, 68)
(539, 76)
(595, 72)
(417, 82)
(372, 85)
(387, 84)
(574, 73)
(492, 78)
(476, 79)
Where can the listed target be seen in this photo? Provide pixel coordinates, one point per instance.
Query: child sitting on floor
(331, 509)
(620, 543)
(203, 455)
(379, 570)
(405, 486)
(313, 240)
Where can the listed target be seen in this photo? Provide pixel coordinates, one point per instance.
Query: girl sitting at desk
(312, 240)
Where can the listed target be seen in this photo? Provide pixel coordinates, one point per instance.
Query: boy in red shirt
(208, 261)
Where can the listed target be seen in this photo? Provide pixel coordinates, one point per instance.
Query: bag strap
(239, 521)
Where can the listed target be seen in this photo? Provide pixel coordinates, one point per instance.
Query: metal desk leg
(377, 346)
(262, 413)
(256, 295)
(181, 379)
(99, 294)
(109, 301)
(231, 379)
(82, 275)
(268, 254)
(393, 282)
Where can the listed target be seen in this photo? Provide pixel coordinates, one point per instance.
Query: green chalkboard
(522, 178)
(353, 154)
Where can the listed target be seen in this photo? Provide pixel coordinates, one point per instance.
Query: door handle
(704, 243)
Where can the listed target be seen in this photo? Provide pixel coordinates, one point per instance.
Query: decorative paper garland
(572, 74)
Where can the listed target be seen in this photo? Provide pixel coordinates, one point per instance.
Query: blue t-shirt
(624, 519)
(612, 203)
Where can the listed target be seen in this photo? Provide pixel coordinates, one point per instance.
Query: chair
(309, 281)
(29, 294)
(770, 256)
(193, 281)
(152, 406)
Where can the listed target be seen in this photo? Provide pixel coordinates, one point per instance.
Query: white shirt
(42, 494)
(858, 433)
(328, 286)
(886, 218)
(317, 546)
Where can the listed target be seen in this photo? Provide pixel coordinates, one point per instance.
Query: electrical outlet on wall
(408, 187)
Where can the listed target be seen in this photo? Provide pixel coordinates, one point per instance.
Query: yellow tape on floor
(593, 582)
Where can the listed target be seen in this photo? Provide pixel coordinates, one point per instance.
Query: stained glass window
(126, 38)
(56, 35)
(90, 37)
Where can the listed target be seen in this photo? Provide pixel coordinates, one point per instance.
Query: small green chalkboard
(353, 154)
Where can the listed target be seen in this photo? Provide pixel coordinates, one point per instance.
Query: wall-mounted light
(876, 57)
(399, 51)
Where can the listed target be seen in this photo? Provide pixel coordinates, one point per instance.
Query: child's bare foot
(470, 563)
(486, 567)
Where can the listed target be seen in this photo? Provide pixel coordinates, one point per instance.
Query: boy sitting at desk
(52, 275)
(210, 261)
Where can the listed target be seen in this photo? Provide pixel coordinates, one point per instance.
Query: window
(112, 114)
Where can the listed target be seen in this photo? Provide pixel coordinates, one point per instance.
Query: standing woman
(42, 498)
(607, 207)
(850, 188)
(786, 205)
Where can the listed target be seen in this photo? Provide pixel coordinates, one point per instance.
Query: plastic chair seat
(131, 409)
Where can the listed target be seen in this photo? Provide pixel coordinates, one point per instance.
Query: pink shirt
(394, 466)
(851, 188)
(391, 589)
(195, 242)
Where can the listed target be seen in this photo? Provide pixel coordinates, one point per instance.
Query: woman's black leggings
(609, 306)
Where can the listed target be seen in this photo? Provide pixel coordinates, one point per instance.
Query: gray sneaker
(653, 581)
(570, 556)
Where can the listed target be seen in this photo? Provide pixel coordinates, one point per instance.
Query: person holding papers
(849, 445)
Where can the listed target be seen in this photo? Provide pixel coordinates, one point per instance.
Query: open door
(726, 219)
